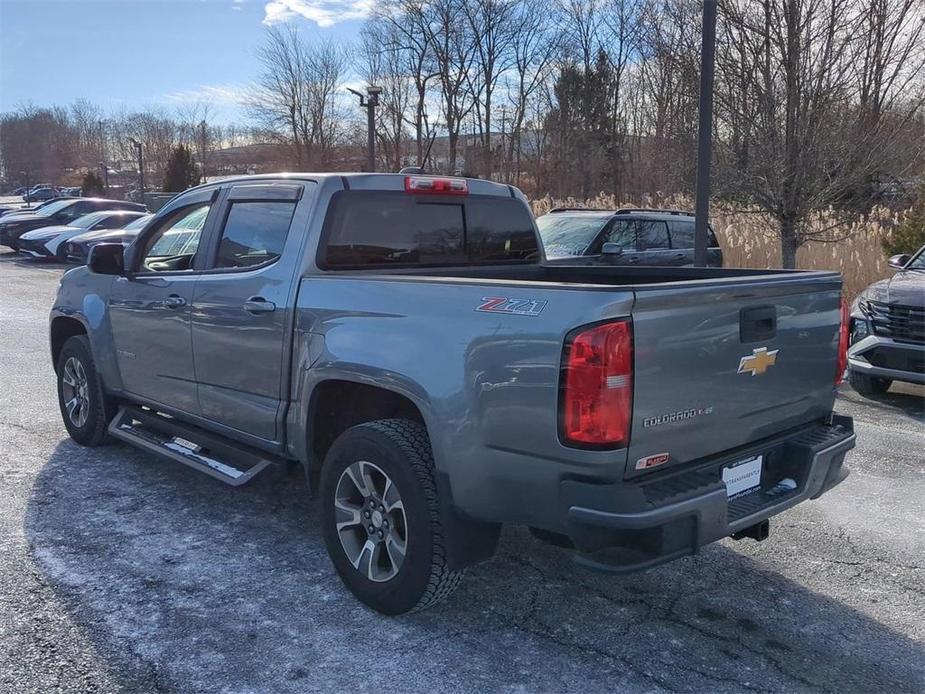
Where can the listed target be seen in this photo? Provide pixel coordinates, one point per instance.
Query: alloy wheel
(370, 521)
(75, 390)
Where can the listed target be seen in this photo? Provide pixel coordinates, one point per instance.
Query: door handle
(257, 304)
(174, 301)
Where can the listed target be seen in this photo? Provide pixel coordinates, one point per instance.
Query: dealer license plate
(742, 476)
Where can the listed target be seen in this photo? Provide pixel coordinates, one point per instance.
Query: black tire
(401, 449)
(868, 385)
(100, 408)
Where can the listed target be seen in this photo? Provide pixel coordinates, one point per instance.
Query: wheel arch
(63, 328)
(336, 404)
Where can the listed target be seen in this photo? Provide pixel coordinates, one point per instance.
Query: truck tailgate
(718, 365)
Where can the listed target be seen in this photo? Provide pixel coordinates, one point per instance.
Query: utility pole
(705, 132)
(25, 175)
(103, 166)
(141, 168)
(370, 101)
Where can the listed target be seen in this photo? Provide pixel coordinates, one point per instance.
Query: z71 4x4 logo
(517, 307)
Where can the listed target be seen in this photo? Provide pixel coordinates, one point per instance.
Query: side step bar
(232, 463)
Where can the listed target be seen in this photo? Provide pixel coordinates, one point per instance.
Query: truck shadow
(179, 580)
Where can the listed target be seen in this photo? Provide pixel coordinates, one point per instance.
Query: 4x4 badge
(759, 361)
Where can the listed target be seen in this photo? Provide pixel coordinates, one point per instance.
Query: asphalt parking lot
(119, 571)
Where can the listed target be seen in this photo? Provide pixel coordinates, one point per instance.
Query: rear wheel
(381, 517)
(869, 385)
(85, 408)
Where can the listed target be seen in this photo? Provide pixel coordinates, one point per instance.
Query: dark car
(888, 329)
(628, 236)
(77, 249)
(14, 225)
(46, 242)
(46, 193)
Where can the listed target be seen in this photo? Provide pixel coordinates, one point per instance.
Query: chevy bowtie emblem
(759, 361)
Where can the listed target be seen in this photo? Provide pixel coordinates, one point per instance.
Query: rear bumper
(675, 514)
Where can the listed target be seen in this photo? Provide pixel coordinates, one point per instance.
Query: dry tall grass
(748, 239)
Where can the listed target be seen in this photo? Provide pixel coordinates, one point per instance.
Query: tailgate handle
(757, 323)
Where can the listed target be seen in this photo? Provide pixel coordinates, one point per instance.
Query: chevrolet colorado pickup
(403, 339)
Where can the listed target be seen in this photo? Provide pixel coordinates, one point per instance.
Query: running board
(232, 463)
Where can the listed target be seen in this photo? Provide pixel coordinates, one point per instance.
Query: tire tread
(411, 438)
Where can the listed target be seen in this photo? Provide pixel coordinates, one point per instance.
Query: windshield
(138, 223)
(88, 220)
(918, 263)
(568, 235)
(49, 210)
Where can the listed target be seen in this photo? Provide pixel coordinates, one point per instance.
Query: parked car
(45, 242)
(628, 236)
(77, 248)
(19, 191)
(400, 338)
(888, 329)
(14, 225)
(39, 194)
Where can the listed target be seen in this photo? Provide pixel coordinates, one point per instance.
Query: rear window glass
(682, 235)
(383, 228)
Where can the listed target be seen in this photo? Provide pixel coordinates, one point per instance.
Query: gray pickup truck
(403, 339)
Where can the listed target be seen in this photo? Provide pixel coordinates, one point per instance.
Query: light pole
(705, 132)
(105, 171)
(141, 167)
(103, 166)
(25, 175)
(369, 102)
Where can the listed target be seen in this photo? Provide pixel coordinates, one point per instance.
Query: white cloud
(324, 13)
(219, 94)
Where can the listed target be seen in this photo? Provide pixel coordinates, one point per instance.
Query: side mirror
(899, 261)
(106, 259)
(611, 248)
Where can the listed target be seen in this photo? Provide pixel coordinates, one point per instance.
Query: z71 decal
(517, 307)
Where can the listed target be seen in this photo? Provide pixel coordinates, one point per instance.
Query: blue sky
(139, 53)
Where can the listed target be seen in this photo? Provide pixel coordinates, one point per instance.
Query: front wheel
(868, 385)
(85, 408)
(381, 517)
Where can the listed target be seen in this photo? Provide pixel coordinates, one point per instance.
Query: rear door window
(254, 233)
(651, 235)
(682, 234)
(384, 228)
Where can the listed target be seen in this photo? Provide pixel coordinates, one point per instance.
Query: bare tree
(296, 93)
(383, 64)
(453, 50)
(405, 35)
(533, 46)
(808, 128)
(493, 28)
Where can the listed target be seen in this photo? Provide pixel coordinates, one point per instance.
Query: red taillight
(440, 186)
(597, 386)
(842, 361)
